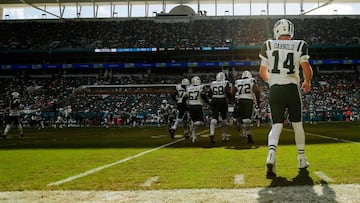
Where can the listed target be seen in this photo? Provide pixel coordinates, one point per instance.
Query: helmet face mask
(220, 76)
(283, 27)
(196, 81)
(185, 82)
(246, 74)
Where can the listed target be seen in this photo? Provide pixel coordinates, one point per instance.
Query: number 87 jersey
(283, 58)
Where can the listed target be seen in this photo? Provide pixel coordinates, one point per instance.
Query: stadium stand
(336, 87)
(105, 33)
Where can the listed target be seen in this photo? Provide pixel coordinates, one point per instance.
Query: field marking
(323, 176)
(150, 181)
(342, 193)
(71, 178)
(326, 137)
(239, 179)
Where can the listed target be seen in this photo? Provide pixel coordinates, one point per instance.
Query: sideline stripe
(239, 179)
(150, 181)
(326, 137)
(323, 176)
(71, 178)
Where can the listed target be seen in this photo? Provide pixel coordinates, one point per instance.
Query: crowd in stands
(333, 96)
(100, 33)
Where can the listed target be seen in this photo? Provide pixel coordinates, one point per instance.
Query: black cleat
(187, 136)
(270, 174)
(172, 132)
(21, 135)
(250, 140)
(212, 139)
(3, 137)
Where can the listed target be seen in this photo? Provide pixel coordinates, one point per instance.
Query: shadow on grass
(300, 189)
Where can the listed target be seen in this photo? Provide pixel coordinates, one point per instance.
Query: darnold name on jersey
(287, 46)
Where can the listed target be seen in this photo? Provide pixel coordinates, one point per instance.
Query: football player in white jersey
(164, 111)
(219, 93)
(14, 115)
(244, 91)
(281, 59)
(195, 97)
(182, 116)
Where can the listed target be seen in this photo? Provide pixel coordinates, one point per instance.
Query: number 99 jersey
(283, 58)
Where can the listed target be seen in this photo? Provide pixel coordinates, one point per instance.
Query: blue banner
(162, 65)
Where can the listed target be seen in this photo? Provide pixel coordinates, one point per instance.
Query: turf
(49, 155)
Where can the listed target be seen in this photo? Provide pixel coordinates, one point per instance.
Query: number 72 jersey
(283, 58)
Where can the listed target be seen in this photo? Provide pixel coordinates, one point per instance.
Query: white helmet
(164, 101)
(220, 76)
(283, 27)
(185, 82)
(15, 95)
(195, 81)
(246, 74)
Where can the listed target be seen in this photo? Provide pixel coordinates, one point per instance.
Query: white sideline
(71, 178)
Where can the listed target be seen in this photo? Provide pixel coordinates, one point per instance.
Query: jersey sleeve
(263, 55)
(304, 57)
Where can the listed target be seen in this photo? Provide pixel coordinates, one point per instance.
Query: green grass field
(47, 156)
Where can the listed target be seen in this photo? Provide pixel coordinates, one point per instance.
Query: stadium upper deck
(208, 39)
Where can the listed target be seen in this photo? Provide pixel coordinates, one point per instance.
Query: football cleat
(194, 139)
(3, 137)
(172, 132)
(212, 139)
(271, 166)
(225, 138)
(303, 163)
(21, 135)
(187, 136)
(250, 140)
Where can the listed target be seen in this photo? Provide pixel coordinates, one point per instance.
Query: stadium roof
(32, 2)
(62, 3)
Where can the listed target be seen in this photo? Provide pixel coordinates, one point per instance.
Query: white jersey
(218, 88)
(283, 58)
(194, 94)
(181, 92)
(15, 107)
(244, 88)
(164, 108)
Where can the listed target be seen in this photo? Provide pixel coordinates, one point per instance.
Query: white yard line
(326, 137)
(150, 181)
(239, 179)
(323, 176)
(71, 178)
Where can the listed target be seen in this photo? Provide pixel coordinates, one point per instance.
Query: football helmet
(15, 95)
(164, 101)
(246, 74)
(283, 27)
(220, 76)
(185, 82)
(196, 80)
